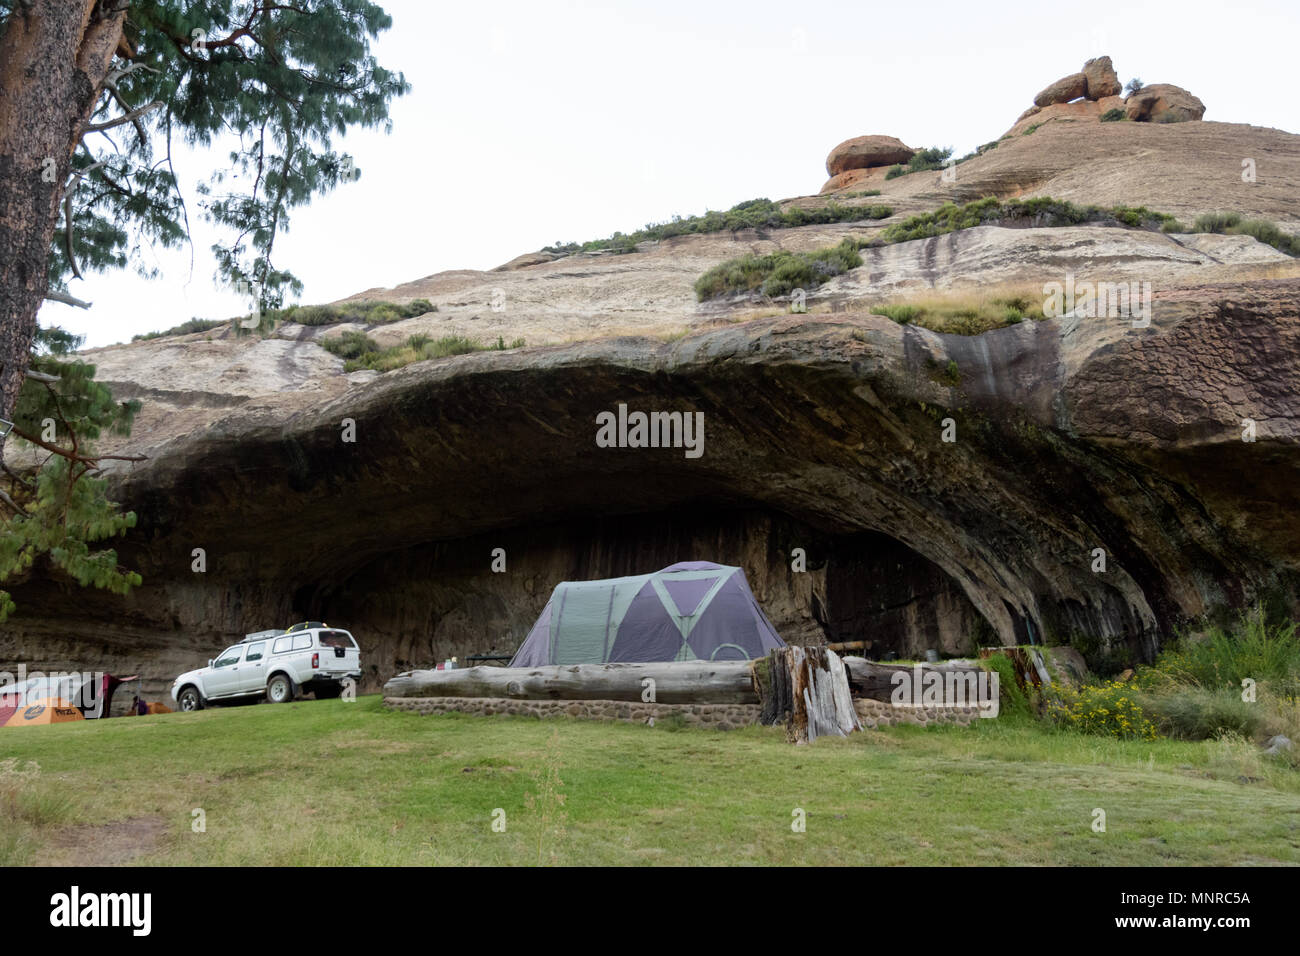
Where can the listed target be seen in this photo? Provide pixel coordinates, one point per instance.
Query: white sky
(534, 122)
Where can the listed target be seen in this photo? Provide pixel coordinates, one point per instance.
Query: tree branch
(130, 117)
(66, 299)
(131, 68)
(41, 376)
(25, 482)
(110, 84)
(67, 234)
(73, 456)
(116, 93)
(4, 497)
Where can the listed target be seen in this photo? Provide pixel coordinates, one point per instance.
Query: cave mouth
(430, 602)
(899, 603)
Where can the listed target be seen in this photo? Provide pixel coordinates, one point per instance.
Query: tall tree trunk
(54, 55)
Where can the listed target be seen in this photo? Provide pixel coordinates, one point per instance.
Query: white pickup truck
(309, 657)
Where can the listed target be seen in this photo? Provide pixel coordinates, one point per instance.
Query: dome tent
(693, 610)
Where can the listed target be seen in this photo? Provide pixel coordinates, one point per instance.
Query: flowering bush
(1108, 709)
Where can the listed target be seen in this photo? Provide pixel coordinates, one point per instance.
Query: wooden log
(846, 716)
(675, 682)
(844, 647)
(798, 724)
(875, 681)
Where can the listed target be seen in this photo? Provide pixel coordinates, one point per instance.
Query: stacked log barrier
(812, 691)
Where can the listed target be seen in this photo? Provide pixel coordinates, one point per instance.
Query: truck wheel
(279, 689)
(191, 699)
(328, 691)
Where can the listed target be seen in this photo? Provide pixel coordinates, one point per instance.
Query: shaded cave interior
(423, 604)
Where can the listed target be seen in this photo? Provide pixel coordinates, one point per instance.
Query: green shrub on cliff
(361, 352)
(1269, 234)
(1216, 221)
(1231, 223)
(924, 160)
(1038, 211)
(751, 214)
(901, 313)
(185, 328)
(787, 270)
(778, 273)
(362, 313)
(350, 345)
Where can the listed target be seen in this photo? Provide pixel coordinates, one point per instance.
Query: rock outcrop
(851, 178)
(1094, 91)
(864, 152)
(1064, 90)
(1089, 110)
(1163, 103)
(1102, 80)
(1096, 81)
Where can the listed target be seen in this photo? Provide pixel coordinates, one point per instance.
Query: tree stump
(807, 689)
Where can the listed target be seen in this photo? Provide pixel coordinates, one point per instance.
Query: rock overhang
(834, 421)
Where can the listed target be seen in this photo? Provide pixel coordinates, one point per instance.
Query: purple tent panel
(690, 610)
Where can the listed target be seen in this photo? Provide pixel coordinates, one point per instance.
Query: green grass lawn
(333, 782)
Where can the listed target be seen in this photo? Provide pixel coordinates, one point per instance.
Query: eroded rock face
(1078, 110)
(1163, 103)
(863, 152)
(854, 177)
(823, 432)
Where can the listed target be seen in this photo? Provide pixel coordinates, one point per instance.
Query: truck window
(230, 655)
(302, 642)
(281, 645)
(337, 639)
(255, 651)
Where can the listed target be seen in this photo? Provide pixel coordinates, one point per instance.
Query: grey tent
(693, 610)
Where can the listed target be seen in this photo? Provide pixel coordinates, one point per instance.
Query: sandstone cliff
(824, 432)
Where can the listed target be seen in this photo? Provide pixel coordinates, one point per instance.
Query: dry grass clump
(966, 311)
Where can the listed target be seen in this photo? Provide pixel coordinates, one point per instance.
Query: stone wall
(879, 713)
(874, 713)
(714, 716)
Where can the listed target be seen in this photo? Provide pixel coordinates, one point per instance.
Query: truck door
(252, 671)
(223, 679)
